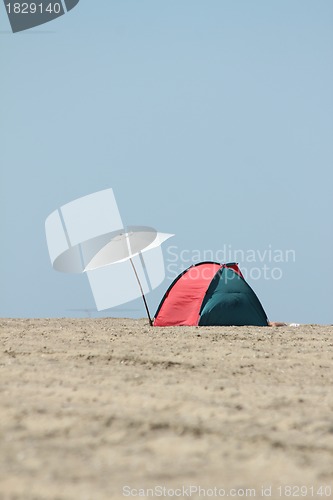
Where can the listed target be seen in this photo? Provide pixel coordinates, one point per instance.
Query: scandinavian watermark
(122, 263)
(197, 491)
(256, 264)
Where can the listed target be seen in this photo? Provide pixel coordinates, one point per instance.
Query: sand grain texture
(89, 406)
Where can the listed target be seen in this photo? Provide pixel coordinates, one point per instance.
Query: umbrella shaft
(142, 294)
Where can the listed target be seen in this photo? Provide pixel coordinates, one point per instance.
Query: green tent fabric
(231, 301)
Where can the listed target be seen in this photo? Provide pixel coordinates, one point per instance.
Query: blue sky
(211, 120)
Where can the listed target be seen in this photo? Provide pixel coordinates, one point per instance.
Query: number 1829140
(33, 8)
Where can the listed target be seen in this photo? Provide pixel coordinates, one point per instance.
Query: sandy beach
(94, 409)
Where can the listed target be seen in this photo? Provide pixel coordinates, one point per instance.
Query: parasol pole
(142, 294)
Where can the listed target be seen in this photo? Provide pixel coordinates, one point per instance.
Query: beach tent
(209, 293)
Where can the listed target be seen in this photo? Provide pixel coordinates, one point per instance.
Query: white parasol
(87, 236)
